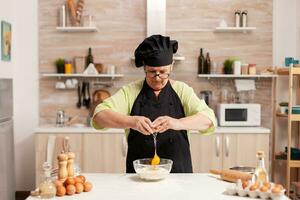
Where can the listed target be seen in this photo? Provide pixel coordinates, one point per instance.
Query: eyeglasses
(153, 74)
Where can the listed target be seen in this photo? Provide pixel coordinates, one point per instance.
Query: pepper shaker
(62, 166)
(70, 165)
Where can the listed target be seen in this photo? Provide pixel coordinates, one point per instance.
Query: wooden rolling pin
(232, 175)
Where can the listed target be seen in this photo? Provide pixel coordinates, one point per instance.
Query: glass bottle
(260, 175)
(201, 62)
(89, 58)
(47, 188)
(207, 64)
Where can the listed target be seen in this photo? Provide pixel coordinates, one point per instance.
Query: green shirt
(122, 102)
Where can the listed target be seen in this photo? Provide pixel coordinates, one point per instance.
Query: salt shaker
(62, 166)
(237, 18)
(244, 18)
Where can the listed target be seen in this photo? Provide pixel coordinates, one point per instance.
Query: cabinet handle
(217, 146)
(124, 145)
(226, 146)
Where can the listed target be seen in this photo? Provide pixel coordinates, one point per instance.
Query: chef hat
(156, 50)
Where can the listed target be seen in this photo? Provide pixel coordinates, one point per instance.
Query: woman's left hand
(163, 123)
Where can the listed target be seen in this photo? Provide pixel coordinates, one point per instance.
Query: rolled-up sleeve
(193, 105)
(117, 103)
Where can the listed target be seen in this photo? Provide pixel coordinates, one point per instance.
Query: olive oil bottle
(260, 175)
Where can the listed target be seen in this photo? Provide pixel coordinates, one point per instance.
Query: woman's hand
(163, 123)
(142, 124)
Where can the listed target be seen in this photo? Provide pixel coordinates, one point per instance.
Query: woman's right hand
(142, 124)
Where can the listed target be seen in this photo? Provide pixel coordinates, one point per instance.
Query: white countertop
(175, 186)
(70, 129)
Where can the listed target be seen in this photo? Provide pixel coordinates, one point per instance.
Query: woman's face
(157, 77)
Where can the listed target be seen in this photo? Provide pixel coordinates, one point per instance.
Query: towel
(244, 85)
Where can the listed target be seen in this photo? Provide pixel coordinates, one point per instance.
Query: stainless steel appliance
(239, 114)
(7, 183)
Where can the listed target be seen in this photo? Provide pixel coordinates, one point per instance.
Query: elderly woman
(156, 105)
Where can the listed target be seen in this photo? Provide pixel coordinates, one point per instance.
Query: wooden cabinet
(222, 151)
(95, 152)
(104, 152)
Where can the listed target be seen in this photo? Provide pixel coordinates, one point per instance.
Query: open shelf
(176, 57)
(82, 75)
(284, 71)
(77, 29)
(236, 76)
(234, 29)
(293, 163)
(281, 115)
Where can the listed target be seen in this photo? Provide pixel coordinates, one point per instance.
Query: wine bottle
(201, 62)
(207, 64)
(89, 58)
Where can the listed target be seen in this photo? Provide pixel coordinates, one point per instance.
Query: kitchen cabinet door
(240, 149)
(43, 142)
(104, 153)
(206, 152)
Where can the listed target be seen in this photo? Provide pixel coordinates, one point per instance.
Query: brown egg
(87, 186)
(58, 183)
(279, 186)
(276, 190)
(244, 184)
(82, 178)
(263, 188)
(71, 189)
(78, 180)
(253, 187)
(267, 184)
(70, 181)
(79, 187)
(60, 190)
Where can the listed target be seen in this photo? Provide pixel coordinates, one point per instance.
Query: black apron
(171, 144)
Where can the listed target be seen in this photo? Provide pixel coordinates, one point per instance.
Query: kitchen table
(175, 186)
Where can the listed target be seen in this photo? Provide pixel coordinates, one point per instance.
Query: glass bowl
(150, 172)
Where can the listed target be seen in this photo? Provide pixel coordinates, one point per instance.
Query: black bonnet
(156, 50)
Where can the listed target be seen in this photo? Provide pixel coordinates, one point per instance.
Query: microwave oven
(239, 114)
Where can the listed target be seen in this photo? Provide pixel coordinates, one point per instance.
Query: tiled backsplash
(122, 26)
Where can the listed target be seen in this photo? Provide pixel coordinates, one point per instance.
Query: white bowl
(150, 172)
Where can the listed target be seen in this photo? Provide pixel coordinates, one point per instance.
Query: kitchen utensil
(60, 118)
(231, 175)
(79, 96)
(243, 169)
(150, 172)
(83, 93)
(88, 100)
(155, 160)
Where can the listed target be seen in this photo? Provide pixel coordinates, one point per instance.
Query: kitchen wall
(190, 22)
(7, 14)
(23, 69)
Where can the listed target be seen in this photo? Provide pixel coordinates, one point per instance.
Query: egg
(60, 190)
(78, 180)
(253, 187)
(79, 187)
(87, 186)
(82, 178)
(244, 184)
(267, 184)
(263, 188)
(71, 189)
(70, 181)
(276, 190)
(58, 183)
(279, 186)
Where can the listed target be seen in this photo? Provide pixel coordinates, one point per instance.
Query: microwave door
(236, 115)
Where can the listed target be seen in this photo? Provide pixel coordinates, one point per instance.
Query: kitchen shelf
(281, 115)
(235, 29)
(176, 57)
(236, 76)
(112, 76)
(284, 71)
(292, 163)
(77, 29)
